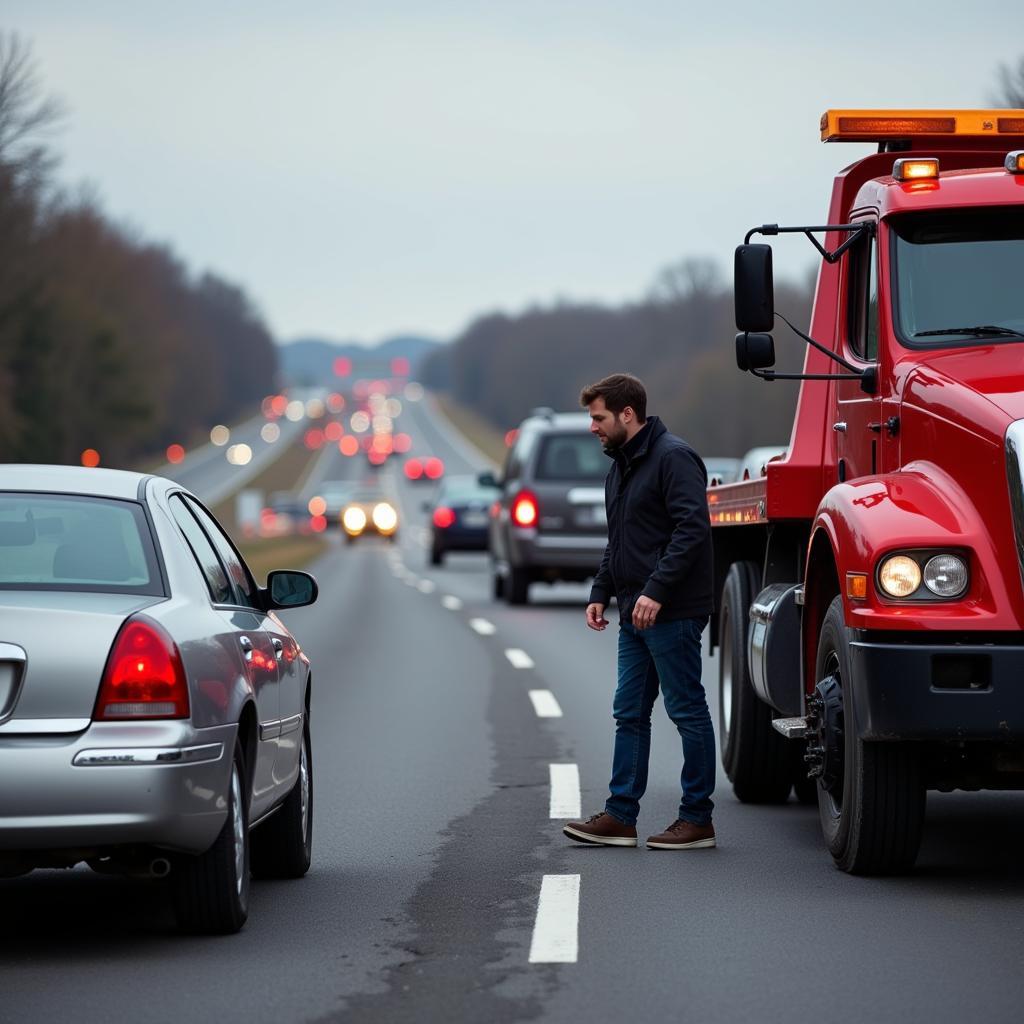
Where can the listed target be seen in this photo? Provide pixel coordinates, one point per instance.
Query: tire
(757, 760)
(282, 847)
(436, 555)
(517, 586)
(873, 821)
(499, 585)
(211, 891)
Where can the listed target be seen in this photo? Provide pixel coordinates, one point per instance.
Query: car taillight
(443, 517)
(144, 677)
(433, 468)
(413, 469)
(524, 509)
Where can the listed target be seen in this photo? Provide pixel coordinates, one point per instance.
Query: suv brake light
(443, 517)
(524, 509)
(144, 677)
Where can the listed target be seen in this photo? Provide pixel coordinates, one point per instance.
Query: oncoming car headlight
(354, 519)
(923, 576)
(385, 518)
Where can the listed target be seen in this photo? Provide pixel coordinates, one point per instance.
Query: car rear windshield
(957, 270)
(571, 457)
(70, 542)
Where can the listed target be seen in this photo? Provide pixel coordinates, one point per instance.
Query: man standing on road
(658, 564)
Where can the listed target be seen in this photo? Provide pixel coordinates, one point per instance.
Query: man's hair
(618, 390)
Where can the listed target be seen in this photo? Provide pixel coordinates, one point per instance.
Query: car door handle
(840, 427)
(246, 647)
(278, 648)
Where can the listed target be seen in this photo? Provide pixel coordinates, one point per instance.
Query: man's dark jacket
(659, 532)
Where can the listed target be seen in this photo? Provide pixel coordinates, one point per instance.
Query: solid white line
(565, 791)
(519, 658)
(453, 604)
(426, 586)
(545, 705)
(556, 928)
(483, 627)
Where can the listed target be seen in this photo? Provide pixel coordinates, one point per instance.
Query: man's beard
(615, 437)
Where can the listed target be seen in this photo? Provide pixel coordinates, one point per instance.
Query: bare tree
(1011, 85)
(694, 276)
(27, 115)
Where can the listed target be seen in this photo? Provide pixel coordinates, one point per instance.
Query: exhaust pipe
(155, 867)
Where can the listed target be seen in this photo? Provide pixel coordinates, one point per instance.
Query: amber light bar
(915, 169)
(880, 125)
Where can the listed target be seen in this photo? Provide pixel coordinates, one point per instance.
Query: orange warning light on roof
(915, 169)
(881, 125)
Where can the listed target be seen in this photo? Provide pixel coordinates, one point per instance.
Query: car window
(863, 300)
(70, 542)
(571, 457)
(206, 557)
(237, 571)
(519, 454)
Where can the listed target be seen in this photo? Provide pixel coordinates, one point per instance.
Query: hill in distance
(310, 361)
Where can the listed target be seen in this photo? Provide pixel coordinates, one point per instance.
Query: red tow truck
(870, 594)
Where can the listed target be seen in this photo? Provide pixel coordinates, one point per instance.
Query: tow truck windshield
(958, 276)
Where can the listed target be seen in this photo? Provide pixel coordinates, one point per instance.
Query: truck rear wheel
(872, 813)
(758, 761)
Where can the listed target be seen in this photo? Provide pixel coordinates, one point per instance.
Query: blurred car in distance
(459, 516)
(550, 518)
(721, 470)
(423, 469)
(167, 733)
(752, 465)
(284, 514)
(369, 510)
(334, 494)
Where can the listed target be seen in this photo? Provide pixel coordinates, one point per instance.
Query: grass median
(481, 433)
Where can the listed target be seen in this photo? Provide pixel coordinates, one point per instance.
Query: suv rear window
(68, 542)
(571, 457)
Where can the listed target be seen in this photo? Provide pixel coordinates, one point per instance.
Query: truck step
(791, 728)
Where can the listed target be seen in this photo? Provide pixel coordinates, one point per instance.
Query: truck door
(857, 424)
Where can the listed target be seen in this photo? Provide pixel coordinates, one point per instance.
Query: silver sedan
(154, 710)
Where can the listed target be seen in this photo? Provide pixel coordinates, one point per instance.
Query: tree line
(677, 339)
(107, 340)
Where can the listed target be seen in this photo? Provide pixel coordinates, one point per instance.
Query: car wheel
(871, 796)
(436, 555)
(211, 890)
(756, 758)
(282, 847)
(499, 585)
(517, 586)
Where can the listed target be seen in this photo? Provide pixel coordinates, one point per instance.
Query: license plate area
(591, 515)
(474, 520)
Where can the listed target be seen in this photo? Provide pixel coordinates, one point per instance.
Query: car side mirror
(754, 288)
(755, 351)
(487, 479)
(288, 588)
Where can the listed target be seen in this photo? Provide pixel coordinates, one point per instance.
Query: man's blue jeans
(668, 652)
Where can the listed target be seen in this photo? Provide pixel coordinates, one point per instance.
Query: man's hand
(645, 611)
(595, 616)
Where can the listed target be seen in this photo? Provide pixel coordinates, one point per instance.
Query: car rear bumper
(460, 539)
(938, 691)
(158, 784)
(579, 553)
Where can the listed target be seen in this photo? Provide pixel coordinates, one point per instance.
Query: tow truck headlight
(899, 576)
(945, 575)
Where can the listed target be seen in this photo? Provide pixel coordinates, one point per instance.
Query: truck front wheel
(871, 797)
(758, 761)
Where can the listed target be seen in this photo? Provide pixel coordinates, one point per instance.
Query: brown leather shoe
(683, 835)
(601, 830)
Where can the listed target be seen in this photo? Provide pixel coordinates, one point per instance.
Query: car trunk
(53, 648)
(572, 509)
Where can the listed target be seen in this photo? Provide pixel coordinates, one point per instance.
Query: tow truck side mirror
(754, 288)
(755, 351)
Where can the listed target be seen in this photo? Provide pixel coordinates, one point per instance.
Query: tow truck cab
(871, 583)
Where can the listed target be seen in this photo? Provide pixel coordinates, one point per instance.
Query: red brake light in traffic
(443, 517)
(413, 469)
(144, 677)
(433, 468)
(524, 509)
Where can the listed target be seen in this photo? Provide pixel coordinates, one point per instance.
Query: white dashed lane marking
(556, 928)
(545, 705)
(426, 586)
(565, 791)
(453, 604)
(519, 658)
(482, 626)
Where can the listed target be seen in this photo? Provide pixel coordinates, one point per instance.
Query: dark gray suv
(549, 521)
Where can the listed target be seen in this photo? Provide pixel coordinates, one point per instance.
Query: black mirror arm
(856, 371)
(857, 231)
(772, 375)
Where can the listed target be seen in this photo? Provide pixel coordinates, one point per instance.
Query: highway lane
(433, 836)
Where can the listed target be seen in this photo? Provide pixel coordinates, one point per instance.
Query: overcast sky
(370, 168)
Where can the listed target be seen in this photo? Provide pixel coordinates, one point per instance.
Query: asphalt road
(433, 836)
